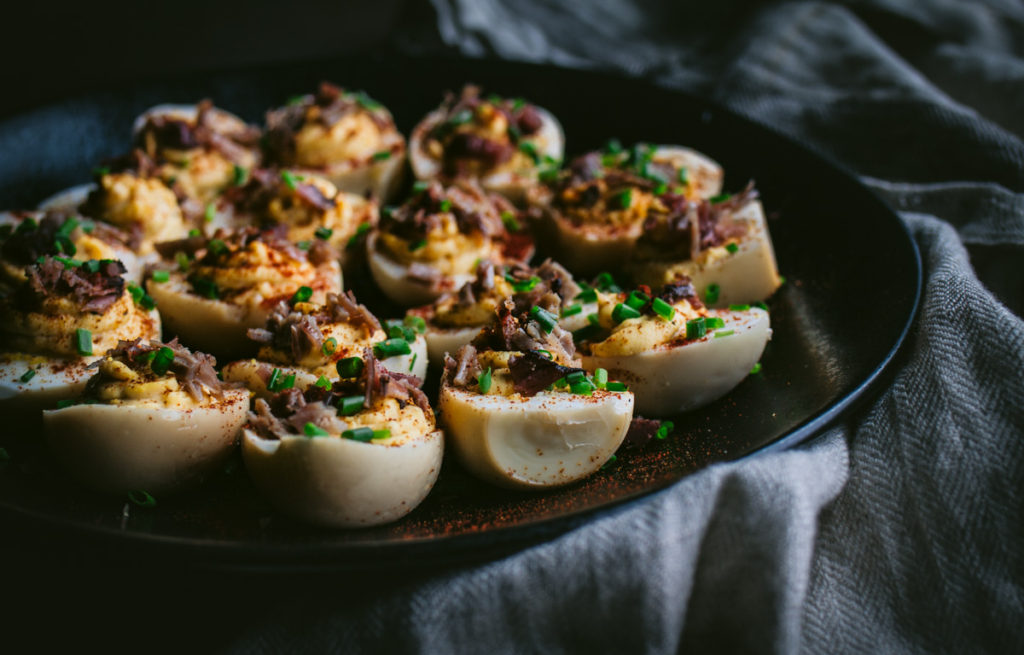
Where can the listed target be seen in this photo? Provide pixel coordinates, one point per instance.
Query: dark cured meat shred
(163, 131)
(93, 292)
(641, 432)
(314, 197)
(532, 372)
(675, 291)
(193, 370)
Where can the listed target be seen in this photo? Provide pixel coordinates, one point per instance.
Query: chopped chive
(329, 346)
(760, 305)
(93, 265)
(349, 405)
(664, 429)
(530, 150)
(141, 498)
(739, 308)
(416, 245)
(509, 219)
(460, 118)
(782, 279)
(613, 147)
(723, 333)
(217, 247)
(140, 297)
(519, 286)
(28, 375)
(583, 387)
(100, 171)
(722, 197)
(366, 102)
(162, 361)
(314, 430)
(605, 282)
(616, 386)
(68, 263)
(66, 402)
(415, 322)
(194, 232)
(412, 364)
(391, 348)
(714, 322)
(420, 186)
(572, 310)
(383, 433)
(637, 299)
(161, 276)
(732, 247)
(711, 293)
(358, 434)
(756, 369)
(593, 319)
(560, 383)
(209, 213)
(323, 233)
(205, 287)
(303, 294)
(518, 104)
(363, 228)
(611, 460)
(575, 376)
(663, 309)
(303, 245)
(241, 175)
(661, 189)
(323, 382)
(624, 199)
(381, 156)
(696, 328)
(547, 353)
(624, 312)
(684, 178)
(588, 296)
(601, 378)
(350, 367)
(546, 319)
(290, 180)
(514, 133)
(446, 205)
(182, 260)
(67, 227)
(548, 175)
(483, 381)
(83, 341)
(288, 383)
(272, 382)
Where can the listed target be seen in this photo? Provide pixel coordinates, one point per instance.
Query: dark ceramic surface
(853, 282)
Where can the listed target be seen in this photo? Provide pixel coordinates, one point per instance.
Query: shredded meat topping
(532, 372)
(193, 370)
(174, 133)
(92, 290)
(474, 210)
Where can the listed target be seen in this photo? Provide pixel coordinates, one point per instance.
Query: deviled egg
(303, 342)
(433, 242)
(224, 285)
(62, 317)
(520, 412)
(153, 418)
(502, 143)
(671, 351)
(362, 451)
(595, 211)
(346, 137)
(721, 245)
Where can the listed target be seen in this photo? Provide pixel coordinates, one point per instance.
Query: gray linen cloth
(899, 530)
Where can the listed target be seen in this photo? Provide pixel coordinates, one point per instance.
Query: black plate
(837, 321)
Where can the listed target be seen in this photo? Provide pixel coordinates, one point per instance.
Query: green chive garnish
(161, 276)
(484, 381)
(272, 382)
(601, 378)
(616, 386)
(547, 353)
(714, 322)
(732, 247)
(381, 156)
(66, 402)
(421, 186)
(182, 260)
(100, 171)
(696, 328)
(637, 299)
(83, 341)
(723, 333)
(583, 387)
(661, 189)
(350, 405)
(623, 312)
(350, 367)
(588, 296)
(760, 305)
(739, 308)
(323, 233)
(205, 287)
(290, 180)
(412, 363)
(756, 369)
(593, 319)
(624, 199)
(722, 197)
(391, 348)
(142, 498)
(520, 286)
(416, 245)
(162, 361)
(530, 150)
(415, 322)
(683, 177)
(360, 231)
(383, 433)
(303, 245)
(302, 295)
(358, 434)
(366, 102)
(314, 430)
(509, 219)
(711, 293)
(572, 310)
(217, 247)
(605, 282)
(241, 175)
(663, 309)
(194, 232)
(323, 382)
(210, 212)
(546, 319)
(446, 205)
(330, 345)
(613, 147)
(664, 429)
(28, 375)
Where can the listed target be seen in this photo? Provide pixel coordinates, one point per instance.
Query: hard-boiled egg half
(722, 245)
(222, 286)
(59, 320)
(519, 412)
(595, 210)
(307, 206)
(672, 352)
(360, 452)
(456, 318)
(153, 418)
(304, 343)
(434, 241)
(198, 150)
(503, 143)
(346, 137)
